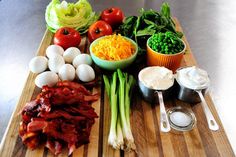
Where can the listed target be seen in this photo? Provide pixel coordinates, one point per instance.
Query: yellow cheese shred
(113, 48)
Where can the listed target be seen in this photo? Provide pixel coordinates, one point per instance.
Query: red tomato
(67, 37)
(113, 16)
(99, 29)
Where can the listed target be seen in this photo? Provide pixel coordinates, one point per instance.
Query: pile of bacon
(60, 115)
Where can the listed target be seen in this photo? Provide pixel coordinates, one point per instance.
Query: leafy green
(77, 15)
(130, 24)
(140, 28)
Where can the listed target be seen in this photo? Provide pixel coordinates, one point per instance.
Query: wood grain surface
(199, 142)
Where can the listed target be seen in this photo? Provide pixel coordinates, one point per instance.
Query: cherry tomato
(67, 37)
(99, 29)
(113, 16)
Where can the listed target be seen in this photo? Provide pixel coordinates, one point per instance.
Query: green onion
(120, 138)
(119, 92)
(111, 92)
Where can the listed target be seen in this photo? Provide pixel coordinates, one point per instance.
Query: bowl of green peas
(165, 49)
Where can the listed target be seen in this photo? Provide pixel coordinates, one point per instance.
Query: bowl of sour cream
(190, 79)
(193, 83)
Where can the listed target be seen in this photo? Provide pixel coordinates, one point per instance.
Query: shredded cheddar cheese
(113, 48)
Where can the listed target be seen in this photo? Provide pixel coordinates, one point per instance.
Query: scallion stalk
(120, 140)
(119, 92)
(124, 109)
(111, 92)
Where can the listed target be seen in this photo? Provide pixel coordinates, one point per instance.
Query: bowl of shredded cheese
(113, 51)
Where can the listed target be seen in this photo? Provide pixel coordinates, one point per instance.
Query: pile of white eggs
(63, 65)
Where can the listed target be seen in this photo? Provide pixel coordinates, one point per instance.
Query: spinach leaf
(127, 27)
(146, 31)
(135, 29)
(165, 10)
(140, 28)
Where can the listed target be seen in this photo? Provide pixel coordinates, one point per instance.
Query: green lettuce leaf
(77, 15)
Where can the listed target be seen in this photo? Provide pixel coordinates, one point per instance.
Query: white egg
(55, 63)
(53, 50)
(46, 78)
(82, 59)
(38, 64)
(85, 73)
(70, 54)
(67, 72)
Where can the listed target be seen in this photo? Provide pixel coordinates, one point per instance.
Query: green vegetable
(120, 88)
(166, 43)
(77, 15)
(111, 92)
(130, 24)
(120, 137)
(140, 28)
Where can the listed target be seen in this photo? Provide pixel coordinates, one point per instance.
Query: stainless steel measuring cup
(151, 95)
(195, 96)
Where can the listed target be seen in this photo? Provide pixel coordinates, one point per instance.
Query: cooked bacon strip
(22, 129)
(91, 98)
(74, 86)
(28, 135)
(75, 98)
(36, 126)
(86, 113)
(71, 148)
(63, 131)
(91, 83)
(32, 142)
(59, 115)
(45, 104)
(54, 146)
(30, 106)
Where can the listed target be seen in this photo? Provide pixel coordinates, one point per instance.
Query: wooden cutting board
(149, 141)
